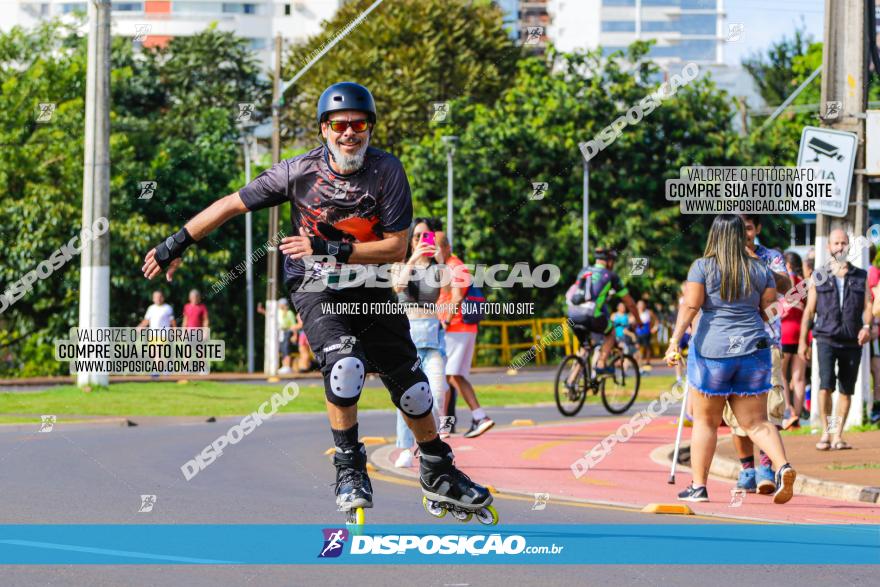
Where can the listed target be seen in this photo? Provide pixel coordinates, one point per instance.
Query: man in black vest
(840, 299)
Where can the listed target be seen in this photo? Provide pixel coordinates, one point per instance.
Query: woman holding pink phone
(416, 283)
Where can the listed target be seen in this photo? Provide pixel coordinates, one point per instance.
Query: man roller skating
(351, 204)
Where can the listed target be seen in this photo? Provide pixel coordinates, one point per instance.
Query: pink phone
(428, 239)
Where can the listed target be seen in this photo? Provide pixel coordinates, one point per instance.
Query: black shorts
(790, 349)
(644, 340)
(847, 360)
(384, 336)
(591, 325)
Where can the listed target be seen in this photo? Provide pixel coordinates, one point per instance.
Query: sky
(767, 21)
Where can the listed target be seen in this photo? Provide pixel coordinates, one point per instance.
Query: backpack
(473, 306)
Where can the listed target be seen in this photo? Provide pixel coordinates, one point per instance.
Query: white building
(156, 21)
(685, 30)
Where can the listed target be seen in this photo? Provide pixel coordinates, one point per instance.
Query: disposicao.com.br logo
(402, 544)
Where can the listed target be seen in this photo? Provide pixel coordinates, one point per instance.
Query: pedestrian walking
(840, 300)
(418, 284)
(729, 357)
(461, 338)
(794, 368)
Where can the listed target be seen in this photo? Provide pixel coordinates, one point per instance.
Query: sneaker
(747, 481)
(766, 480)
(444, 434)
(404, 459)
(691, 494)
(478, 427)
(785, 478)
(284, 370)
(607, 370)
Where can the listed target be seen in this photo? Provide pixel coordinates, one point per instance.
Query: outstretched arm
(170, 250)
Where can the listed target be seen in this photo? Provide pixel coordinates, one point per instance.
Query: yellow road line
(534, 453)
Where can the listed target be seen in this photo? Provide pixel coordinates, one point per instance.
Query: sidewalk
(223, 376)
(537, 459)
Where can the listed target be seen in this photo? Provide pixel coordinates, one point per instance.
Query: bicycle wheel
(620, 390)
(570, 389)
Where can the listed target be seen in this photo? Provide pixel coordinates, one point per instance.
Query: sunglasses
(341, 126)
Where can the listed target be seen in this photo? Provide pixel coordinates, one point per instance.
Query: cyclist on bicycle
(588, 303)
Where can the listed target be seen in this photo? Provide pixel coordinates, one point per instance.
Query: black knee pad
(409, 389)
(344, 367)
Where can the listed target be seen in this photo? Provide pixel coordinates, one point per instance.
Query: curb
(728, 469)
(25, 427)
(381, 458)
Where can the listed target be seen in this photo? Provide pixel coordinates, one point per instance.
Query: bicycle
(574, 380)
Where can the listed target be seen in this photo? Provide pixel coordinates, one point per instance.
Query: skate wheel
(488, 515)
(462, 516)
(433, 508)
(355, 517)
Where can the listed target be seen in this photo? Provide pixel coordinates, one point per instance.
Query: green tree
(773, 71)
(165, 128)
(531, 134)
(410, 53)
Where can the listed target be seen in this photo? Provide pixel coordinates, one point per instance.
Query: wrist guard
(173, 247)
(339, 250)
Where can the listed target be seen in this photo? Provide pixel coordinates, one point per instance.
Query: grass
(860, 466)
(807, 430)
(208, 398)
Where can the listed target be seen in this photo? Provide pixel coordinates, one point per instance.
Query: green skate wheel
(355, 517)
(432, 508)
(462, 516)
(488, 516)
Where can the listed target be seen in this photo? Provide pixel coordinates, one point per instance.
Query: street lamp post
(586, 242)
(247, 139)
(450, 142)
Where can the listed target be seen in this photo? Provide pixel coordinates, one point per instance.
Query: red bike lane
(538, 459)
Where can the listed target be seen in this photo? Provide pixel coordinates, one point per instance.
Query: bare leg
(798, 387)
(707, 417)
(843, 404)
(744, 446)
(824, 413)
(605, 350)
(786, 364)
(751, 414)
(465, 389)
(342, 418)
(424, 429)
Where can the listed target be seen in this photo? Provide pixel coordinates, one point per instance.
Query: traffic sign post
(832, 153)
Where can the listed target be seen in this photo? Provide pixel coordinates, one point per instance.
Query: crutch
(684, 400)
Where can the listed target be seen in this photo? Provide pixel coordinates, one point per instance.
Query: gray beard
(349, 163)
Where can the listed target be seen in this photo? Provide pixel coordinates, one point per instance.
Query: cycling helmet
(346, 96)
(603, 254)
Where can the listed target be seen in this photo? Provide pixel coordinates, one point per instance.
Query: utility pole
(270, 349)
(248, 260)
(844, 67)
(586, 235)
(449, 141)
(94, 278)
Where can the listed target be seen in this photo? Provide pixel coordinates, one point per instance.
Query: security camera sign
(832, 154)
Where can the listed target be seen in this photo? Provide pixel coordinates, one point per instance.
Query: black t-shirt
(358, 207)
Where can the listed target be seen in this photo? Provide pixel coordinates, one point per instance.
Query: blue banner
(276, 544)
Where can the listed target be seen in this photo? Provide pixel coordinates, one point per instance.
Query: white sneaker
(405, 459)
(284, 370)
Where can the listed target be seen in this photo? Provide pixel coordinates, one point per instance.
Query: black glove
(173, 247)
(341, 251)
(578, 297)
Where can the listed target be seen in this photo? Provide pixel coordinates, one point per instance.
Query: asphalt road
(279, 475)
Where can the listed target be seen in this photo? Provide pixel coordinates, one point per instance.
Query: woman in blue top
(730, 353)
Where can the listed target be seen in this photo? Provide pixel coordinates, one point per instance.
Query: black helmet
(603, 254)
(346, 96)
